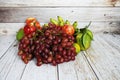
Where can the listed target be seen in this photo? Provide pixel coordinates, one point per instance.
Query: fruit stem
(88, 24)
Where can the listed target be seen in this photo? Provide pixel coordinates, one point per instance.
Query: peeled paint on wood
(19, 15)
(95, 27)
(58, 3)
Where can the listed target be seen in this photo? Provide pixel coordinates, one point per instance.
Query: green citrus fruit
(77, 47)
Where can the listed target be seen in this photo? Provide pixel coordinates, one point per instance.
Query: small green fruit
(77, 47)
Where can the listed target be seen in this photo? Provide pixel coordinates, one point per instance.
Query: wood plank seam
(103, 14)
(20, 3)
(11, 64)
(76, 73)
(58, 72)
(59, 7)
(8, 49)
(10, 67)
(112, 58)
(89, 59)
(4, 66)
(90, 65)
(23, 72)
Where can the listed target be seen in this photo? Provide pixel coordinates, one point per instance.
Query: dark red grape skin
(39, 59)
(60, 48)
(62, 60)
(25, 60)
(39, 63)
(54, 63)
(64, 52)
(50, 59)
(20, 52)
(47, 33)
(23, 56)
(29, 56)
(48, 46)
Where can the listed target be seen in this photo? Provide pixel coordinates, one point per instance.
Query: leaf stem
(88, 24)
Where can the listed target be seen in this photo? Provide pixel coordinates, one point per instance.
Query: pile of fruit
(53, 43)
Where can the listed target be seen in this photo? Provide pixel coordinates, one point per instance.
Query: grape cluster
(49, 45)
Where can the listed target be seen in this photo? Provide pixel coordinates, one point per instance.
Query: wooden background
(100, 62)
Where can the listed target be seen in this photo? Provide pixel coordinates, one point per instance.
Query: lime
(77, 47)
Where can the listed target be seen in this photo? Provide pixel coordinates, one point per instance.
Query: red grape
(48, 45)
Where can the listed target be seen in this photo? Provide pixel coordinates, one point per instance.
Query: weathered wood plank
(113, 40)
(7, 61)
(104, 59)
(5, 43)
(67, 71)
(96, 27)
(23, 3)
(76, 70)
(43, 14)
(12, 69)
(17, 70)
(8, 29)
(44, 72)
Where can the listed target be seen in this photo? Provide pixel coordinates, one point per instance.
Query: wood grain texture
(5, 43)
(76, 70)
(7, 61)
(100, 62)
(104, 58)
(96, 27)
(113, 40)
(49, 3)
(8, 29)
(72, 14)
(13, 66)
(44, 72)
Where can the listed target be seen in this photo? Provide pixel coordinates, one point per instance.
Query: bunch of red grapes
(50, 45)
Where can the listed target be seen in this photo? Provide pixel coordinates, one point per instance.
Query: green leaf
(54, 21)
(75, 24)
(79, 40)
(90, 33)
(67, 22)
(60, 19)
(20, 34)
(86, 41)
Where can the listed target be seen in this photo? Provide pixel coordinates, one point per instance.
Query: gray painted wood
(44, 72)
(24, 3)
(100, 62)
(95, 27)
(15, 71)
(72, 14)
(12, 67)
(8, 29)
(7, 61)
(5, 43)
(113, 40)
(104, 58)
(76, 70)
